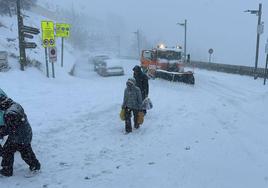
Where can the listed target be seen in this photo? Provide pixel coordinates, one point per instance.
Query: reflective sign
(210, 51)
(62, 30)
(52, 54)
(48, 36)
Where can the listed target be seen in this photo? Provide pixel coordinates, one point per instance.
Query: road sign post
(53, 70)
(48, 40)
(47, 69)
(210, 51)
(53, 58)
(62, 46)
(63, 31)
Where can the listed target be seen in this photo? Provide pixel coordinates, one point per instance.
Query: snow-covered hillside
(9, 41)
(211, 135)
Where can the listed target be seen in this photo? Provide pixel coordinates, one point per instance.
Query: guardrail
(233, 69)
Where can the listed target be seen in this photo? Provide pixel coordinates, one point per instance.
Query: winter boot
(137, 126)
(36, 167)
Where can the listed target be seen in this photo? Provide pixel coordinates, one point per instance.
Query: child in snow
(131, 104)
(19, 139)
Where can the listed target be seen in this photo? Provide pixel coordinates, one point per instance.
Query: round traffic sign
(210, 51)
(45, 42)
(51, 42)
(53, 51)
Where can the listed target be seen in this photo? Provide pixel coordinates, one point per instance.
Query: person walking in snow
(1, 122)
(19, 139)
(131, 104)
(141, 82)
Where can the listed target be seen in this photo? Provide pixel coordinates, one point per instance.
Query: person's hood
(137, 69)
(5, 103)
(131, 81)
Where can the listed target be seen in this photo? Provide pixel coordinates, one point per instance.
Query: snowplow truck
(166, 63)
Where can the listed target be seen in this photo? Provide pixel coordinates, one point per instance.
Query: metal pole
(265, 73)
(138, 39)
(185, 40)
(119, 46)
(53, 71)
(21, 49)
(47, 69)
(209, 58)
(258, 42)
(62, 46)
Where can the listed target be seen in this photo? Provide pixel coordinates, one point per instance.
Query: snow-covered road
(213, 134)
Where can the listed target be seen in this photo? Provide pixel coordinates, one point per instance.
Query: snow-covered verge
(213, 134)
(9, 42)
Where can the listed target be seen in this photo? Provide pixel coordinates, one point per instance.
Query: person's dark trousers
(27, 155)
(128, 119)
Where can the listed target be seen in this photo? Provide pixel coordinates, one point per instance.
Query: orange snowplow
(166, 63)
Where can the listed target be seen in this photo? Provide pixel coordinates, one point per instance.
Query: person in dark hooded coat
(19, 139)
(141, 81)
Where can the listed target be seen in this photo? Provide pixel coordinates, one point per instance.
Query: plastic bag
(123, 114)
(140, 118)
(147, 104)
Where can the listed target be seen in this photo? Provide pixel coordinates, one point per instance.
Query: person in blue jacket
(19, 132)
(1, 112)
(1, 121)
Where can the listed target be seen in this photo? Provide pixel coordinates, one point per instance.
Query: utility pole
(259, 32)
(119, 46)
(138, 42)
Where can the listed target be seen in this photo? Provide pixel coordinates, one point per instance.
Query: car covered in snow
(110, 67)
(99, 61)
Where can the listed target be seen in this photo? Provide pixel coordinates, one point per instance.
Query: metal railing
(226, 68)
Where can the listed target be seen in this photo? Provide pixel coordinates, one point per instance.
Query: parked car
(99, 61)
(110, 67)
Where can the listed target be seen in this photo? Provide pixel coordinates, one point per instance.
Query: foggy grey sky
(218, 24)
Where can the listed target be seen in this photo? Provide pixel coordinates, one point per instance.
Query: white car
(99, 61)
(110, 67)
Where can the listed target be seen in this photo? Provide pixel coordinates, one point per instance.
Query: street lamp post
(185, 38)
(118, 39)
(138, 42)
(259, 32)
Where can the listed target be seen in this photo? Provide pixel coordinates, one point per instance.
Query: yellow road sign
(48, 36)
(62, 30)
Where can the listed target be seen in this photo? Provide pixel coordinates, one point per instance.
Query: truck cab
(168, 59)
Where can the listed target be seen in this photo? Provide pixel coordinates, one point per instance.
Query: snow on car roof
(114, 62)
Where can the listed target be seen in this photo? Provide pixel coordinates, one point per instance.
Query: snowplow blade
(185, 77)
